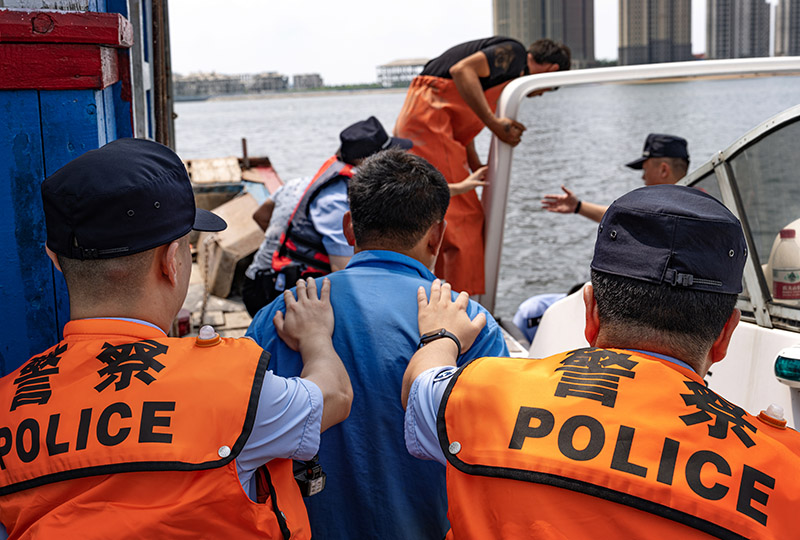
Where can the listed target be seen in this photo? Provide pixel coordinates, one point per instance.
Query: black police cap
(129, 196)
(661, 145)
(672, 234)
(367, 137)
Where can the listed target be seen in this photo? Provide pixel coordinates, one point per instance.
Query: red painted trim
(111, 29)
(65, 67)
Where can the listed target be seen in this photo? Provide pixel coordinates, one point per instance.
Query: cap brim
(208, 222)
(398, 142)
(636, 163)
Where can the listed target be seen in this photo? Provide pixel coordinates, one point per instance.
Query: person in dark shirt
(447, 105)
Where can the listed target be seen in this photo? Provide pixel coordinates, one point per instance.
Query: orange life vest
(121, 432)
(441, 125)
(604, 443)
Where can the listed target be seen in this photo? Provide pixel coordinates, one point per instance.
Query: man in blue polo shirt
(375, 489)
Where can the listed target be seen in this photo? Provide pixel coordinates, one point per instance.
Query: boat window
(767, 175)
(708, 183)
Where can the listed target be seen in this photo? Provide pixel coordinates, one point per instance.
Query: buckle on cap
(674, 278)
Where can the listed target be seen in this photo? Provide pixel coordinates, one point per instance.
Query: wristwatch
(424, 339)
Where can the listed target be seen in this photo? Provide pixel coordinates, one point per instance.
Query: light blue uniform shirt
(424, 399)
(375, 489)
(326, 211)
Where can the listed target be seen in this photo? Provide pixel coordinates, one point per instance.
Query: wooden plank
(26, 275)
(263, 175)
(237, 319)
(108, 116)
(73, 122)
(70, 125)
(111, 29)
(203, 171)
(64, 5)
(63, 67)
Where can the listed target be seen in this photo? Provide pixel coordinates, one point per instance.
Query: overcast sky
(345, 40)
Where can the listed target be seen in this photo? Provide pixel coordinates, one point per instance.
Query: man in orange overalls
(447, 105)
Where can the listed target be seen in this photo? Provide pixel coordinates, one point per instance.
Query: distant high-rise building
(654, 31)
(568, 21)
(737, 28)
(787, 28)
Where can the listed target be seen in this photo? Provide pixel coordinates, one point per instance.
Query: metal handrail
(495, 194)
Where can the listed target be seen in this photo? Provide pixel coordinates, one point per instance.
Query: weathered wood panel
(57, 66)
(26, 275)
(73, 122)
(110, 29)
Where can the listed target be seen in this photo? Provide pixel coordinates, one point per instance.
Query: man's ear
(720, 347)
(53, 258)
(435, 237)
(551, 68)
(347, 225)
(592, 328)
(664, 170)
(168, 260)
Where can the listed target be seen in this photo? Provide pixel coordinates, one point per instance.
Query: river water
(579, 136)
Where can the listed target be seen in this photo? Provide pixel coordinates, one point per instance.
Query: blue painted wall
(40, 131)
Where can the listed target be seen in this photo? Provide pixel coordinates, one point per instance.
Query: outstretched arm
(307, 327)
(466, 75)
(441, 312)
(569, 203)
(469, 183)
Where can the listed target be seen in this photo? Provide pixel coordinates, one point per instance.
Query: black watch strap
(438, 334)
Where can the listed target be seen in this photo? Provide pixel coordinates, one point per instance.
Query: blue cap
(672, 234)
(129, 196)
(660, 145)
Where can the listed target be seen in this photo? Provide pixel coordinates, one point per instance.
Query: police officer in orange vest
(622, 439)
(446, 107)
(120, 431)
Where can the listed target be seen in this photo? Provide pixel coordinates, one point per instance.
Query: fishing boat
(755, 177)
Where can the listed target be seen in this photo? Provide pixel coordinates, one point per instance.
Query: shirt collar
(398, 261)
(665, 357)
(136, 328)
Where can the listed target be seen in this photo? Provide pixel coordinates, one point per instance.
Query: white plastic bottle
(786, 269)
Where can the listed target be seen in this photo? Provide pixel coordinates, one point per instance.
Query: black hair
(395, 197)
(686, 321)
(547, 51)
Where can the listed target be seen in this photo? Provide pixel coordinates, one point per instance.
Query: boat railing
(495, 194)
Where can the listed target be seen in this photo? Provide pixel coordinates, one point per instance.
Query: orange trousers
(441, 125)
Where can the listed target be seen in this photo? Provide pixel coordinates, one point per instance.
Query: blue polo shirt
(375, 488)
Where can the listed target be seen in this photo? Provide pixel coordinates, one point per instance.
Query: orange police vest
(121, 432)
(594, 442)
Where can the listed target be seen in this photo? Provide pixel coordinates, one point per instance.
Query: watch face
(434, 333)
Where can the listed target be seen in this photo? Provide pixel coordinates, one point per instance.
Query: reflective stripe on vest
(623, 427)
(163, 410)
(301, 242)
